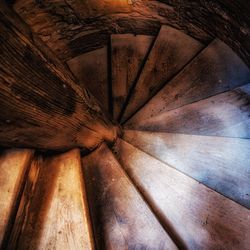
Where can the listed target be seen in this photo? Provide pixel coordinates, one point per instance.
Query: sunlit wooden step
(199, 217)
(121, 219)
(53, 213)
(220, 163)
(14, 166)
(215, 70)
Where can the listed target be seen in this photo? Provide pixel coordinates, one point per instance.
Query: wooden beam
(41, 104)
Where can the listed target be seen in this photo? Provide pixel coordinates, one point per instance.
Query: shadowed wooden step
(172, 50)
(215, 70)
(14, 165)
(128, 52)
(203, 218)
(53, 213)
(220, 163)
(225, 114)
(91, 70)
(121, 219)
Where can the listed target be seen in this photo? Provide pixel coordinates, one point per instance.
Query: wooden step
(91, 70)
(201, 217)
(172, 50)
(219, 163)
(14, 165)
(121, 219)
(225, 114)
(127, 54)
(53, 213)
(215, 70)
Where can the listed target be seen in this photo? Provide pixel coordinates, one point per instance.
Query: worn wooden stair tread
(127, 55)
(53, 213)
(171, 51)
(218, 162)
(14, 165)
(91, 70)
(199, 216)
(215, 70)
(225, 114)
(121, 219)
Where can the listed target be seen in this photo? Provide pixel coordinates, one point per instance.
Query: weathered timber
(76, 27)
(225, 114)
(41, 105)
(219, 163)
(91, 70)
(53, 213)
(72, 28)
(14, 166)
(171, 51)
(128, 53)
(201, 217)
(215, 70)
(121, 219)
(228, 20)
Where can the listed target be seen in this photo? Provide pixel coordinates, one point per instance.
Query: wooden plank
(77, 27)
(167, 57)
(91, 70)
(53, 213)
(128, 53)
(14, 165)
(215, 70)
(121, 218)
(226, 114)
(204, 219)
(219, 163)
(41, 104)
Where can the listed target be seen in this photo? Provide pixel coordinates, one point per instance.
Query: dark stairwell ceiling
(73, 27)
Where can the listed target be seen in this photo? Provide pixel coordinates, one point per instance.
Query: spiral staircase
(177, 178)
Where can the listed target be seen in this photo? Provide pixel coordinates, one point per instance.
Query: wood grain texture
(71, 28)
(91, 70)
(201, 217)
(167, 57)
(53, 213)
(127, 54)
(41, 104)
(14, 165)
(215, 70)
(219, 163)
(225, 114)
(121, 218)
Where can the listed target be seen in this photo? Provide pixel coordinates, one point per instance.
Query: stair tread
(128, 52)
(200, 216)
(91, 71)
(121, 219)
(219, 163)
(225, 114)
(14, 164)
(215, 70)
(168, 55)
(53, 213)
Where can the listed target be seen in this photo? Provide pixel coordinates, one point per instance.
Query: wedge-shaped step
(14, 165)
(53, 213)
(222, 164)
(201, 217)
(226, 114)
(127, 52)
(172, 50)
(91, 70)
(215, 70)
(121, 219)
